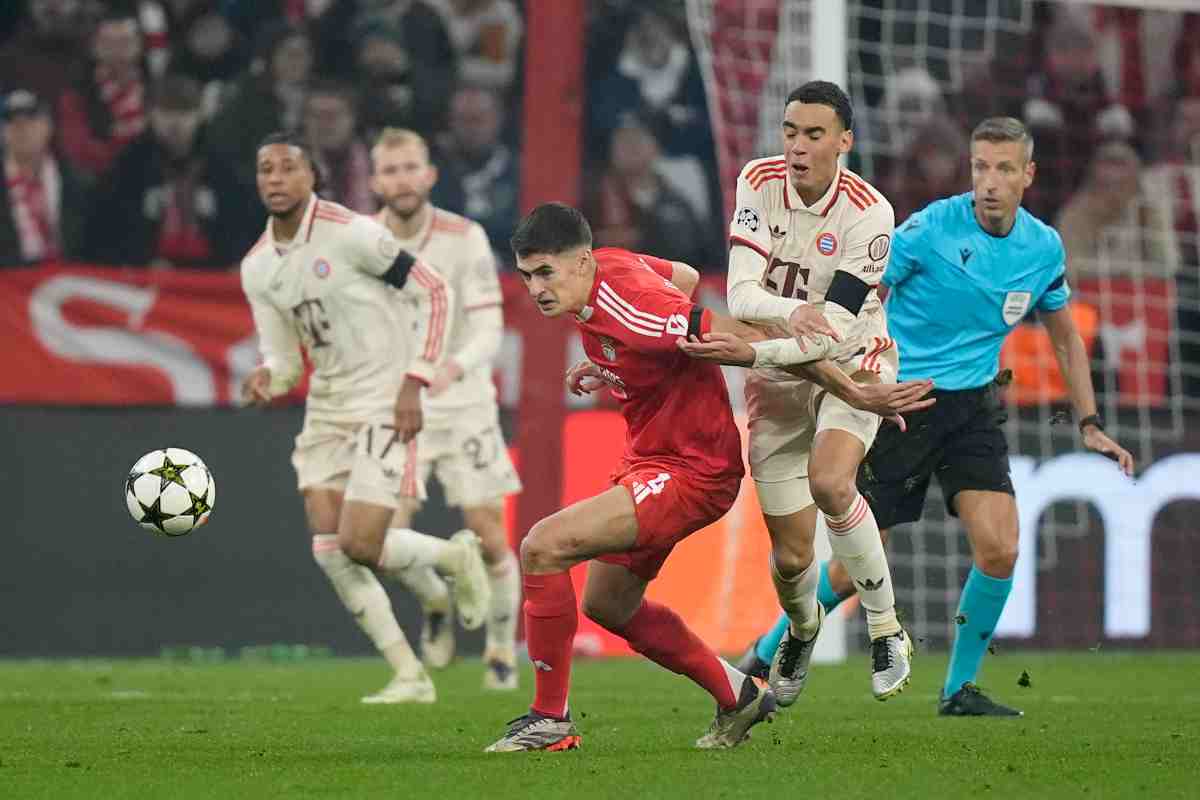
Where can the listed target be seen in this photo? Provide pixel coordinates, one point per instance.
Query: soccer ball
(170, 492)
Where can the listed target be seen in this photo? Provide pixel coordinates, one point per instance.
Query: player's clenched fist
(583, 378)
(256, 388)
(408, 410)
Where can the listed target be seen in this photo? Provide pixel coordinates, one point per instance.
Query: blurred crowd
(1112, 96)
(129, 126)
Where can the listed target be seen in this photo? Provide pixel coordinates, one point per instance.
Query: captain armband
(397, 273)
(848, 291)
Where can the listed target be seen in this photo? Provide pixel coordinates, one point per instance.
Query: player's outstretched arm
(1076, 371)
(727, 344)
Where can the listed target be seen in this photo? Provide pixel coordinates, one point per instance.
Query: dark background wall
(77, 576)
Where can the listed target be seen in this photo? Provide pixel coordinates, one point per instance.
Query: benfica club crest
(609, 348)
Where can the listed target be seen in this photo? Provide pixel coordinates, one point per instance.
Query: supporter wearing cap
(42, 200)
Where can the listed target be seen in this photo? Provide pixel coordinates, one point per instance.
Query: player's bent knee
(488, 523)
(322, 512)
(359, 549)
(792, 558)
(602, 612)
(998, 560)
(833, 493)
(544, 550)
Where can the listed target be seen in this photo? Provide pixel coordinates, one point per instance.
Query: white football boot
(418, 689)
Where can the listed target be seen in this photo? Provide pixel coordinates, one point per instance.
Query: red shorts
(670, 506)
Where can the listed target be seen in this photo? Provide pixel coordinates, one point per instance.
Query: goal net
(1112, 93)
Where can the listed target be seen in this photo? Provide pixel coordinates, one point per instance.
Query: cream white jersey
(325, 291)
(459, 250)
(840, 243)
(831, 254)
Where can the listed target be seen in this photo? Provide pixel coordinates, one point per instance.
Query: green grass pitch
(1096, 725)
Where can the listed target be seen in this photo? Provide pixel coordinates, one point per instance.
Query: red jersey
(676, 408)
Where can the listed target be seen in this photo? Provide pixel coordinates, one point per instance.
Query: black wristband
(1091, 419)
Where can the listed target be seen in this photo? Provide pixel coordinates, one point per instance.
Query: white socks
(364, 597)
(505, 579)
(404, 549)
(854, 539)
(430, 590)
(798, 598)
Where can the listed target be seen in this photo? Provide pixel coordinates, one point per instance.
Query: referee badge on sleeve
(1016, 305)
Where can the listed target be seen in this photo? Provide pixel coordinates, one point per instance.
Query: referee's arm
(1074, 364)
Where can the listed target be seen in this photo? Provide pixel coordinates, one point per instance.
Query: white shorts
(785, 418)
(469, 458)
(365, 461)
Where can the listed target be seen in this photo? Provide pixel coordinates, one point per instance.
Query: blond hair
(390, 138)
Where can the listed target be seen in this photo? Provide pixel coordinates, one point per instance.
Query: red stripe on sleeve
(752, 245)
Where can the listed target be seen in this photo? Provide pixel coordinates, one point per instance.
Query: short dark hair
(1004, 129)
(827, 94)
(551, 228)
(293, 140)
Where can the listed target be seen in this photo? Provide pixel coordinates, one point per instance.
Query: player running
(681, 472)
(461, 441)
(964, 271)
(809, 237)
(337, 284)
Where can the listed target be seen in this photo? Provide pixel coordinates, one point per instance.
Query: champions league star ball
(170, 492)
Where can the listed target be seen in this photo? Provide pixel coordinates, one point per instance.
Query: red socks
(551, 619)
(660, 635)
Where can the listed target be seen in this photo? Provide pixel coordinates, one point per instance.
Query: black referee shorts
(959, 439)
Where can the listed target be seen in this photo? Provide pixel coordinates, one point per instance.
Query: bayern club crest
(321, 268)
(827, 244)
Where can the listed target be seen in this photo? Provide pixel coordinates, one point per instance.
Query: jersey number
(787, 272)
(388, 437)
(651, 487)
(310, 314)
(483, 449)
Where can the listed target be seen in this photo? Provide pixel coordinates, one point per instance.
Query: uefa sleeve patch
(747, 218)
